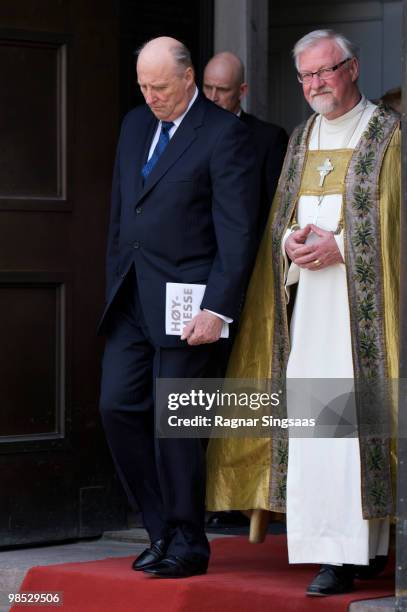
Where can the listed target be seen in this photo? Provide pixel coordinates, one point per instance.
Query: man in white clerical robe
(331, 257)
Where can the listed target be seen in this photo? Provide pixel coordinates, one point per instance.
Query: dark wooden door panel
(32, 385)
(59, 121)
(31, 152)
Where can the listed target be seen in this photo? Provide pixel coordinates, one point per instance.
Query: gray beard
(323, 105)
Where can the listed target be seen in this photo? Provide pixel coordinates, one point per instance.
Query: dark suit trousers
(164, 477)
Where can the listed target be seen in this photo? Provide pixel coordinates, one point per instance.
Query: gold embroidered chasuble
(250, 473)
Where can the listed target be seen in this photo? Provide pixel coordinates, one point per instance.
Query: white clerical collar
(178, 120)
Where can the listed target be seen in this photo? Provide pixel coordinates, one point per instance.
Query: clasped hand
(317, 254)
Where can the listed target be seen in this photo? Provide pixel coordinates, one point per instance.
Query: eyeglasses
(324, 73)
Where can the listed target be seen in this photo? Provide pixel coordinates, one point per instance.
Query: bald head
(166, 48)
(229, 63)
(166, 77)
(224, 81)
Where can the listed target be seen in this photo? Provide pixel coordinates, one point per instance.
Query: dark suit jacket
(193, 220)
(270, 142)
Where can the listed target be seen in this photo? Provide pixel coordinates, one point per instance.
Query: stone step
(387, 604)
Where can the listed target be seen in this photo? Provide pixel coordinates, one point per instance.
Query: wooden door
(58, 130)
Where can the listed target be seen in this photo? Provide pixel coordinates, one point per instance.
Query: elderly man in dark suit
(184, 209)
(224, 84)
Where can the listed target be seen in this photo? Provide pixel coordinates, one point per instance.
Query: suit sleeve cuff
(226, 319)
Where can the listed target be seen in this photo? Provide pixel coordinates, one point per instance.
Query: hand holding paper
(204, 328)
(184, 318)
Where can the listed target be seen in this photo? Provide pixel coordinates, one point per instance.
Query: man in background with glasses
(328, 276)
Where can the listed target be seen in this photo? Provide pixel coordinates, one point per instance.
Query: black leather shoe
(151, 555)
(331, 580)
(175, 567)
(375, 567)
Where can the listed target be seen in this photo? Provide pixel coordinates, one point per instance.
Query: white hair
(311, 39)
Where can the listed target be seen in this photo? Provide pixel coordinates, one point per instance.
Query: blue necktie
(163, 140)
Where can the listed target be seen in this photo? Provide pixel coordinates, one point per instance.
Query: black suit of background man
(270, 143)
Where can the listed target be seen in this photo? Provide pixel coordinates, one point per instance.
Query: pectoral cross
(324, 170)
